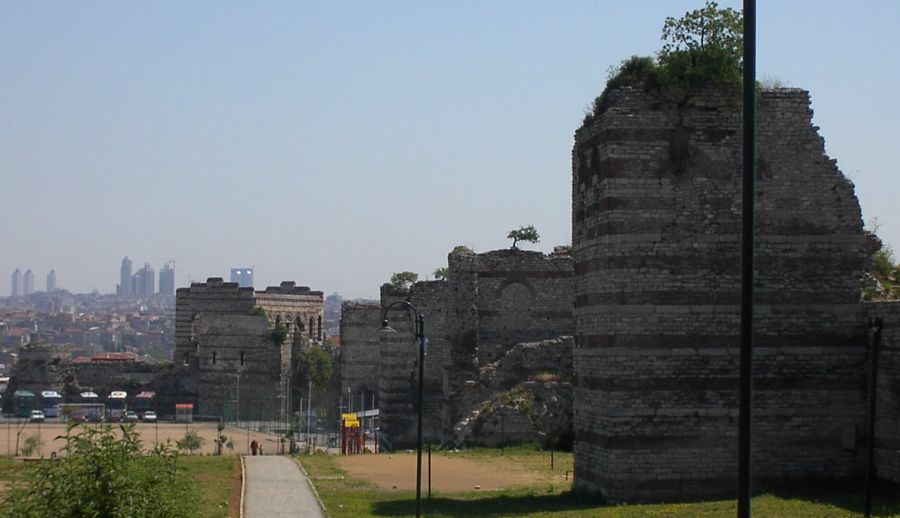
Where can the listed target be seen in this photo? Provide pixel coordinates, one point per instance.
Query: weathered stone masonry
(360, 360)
(887, 412)
(235, 363)
(490, 303)
(656, 244)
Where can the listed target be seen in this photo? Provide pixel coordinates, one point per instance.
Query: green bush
(191, 442)
(103, 475)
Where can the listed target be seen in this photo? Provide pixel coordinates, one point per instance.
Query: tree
(105, 474)
(441, 273)
(191, 442)
(403, 280)
(703, 46)
(462, 249)
(525, 234)
(316, 366)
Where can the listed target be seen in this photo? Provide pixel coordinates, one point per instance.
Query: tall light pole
(748, 245)
(420, 340)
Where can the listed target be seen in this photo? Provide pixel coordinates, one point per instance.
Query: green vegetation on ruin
(701, 49)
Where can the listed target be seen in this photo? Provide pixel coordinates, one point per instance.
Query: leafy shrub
(103, 475)
(32, 444)
(191, 442)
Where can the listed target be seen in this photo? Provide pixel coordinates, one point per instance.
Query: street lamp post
(420, 340)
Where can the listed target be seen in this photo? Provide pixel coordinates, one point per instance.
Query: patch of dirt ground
(151, 433)
(448, 474)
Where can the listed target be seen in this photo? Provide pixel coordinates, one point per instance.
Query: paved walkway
(275, 488)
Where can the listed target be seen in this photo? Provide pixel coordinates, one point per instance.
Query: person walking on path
(275, 488)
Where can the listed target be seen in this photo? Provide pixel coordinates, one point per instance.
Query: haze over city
(333, 144)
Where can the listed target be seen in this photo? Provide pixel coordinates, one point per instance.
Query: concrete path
(275, 488)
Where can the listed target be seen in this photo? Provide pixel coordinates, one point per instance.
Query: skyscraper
(16, 283)
(242, 276)
(144, 282)
(124, 288)
(29, 283)
(167, 280)
(51, 281)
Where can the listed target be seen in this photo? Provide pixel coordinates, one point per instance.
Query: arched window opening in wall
(319, 329)
(187, 359)
(311, 329)
(242, 357)
(214, 357)
(299, 324)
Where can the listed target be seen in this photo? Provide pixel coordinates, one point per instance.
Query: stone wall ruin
(656, 244)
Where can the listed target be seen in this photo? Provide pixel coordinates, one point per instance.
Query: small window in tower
(242, 357)
(187, 359)
(214, 357)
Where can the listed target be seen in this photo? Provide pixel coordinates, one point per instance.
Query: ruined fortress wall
(214, 327)
(398, 355)
(359, 346)
(656, 244)
(214, 297)
(887, 412)
(299, 308)
(520, 296)
(239, 359)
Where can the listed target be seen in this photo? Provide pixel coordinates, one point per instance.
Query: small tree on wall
(527, 234)
(441, 273)
(403, 280)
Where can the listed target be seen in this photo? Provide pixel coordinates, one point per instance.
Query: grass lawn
(217, 479)
(344, 496)
(218, 483)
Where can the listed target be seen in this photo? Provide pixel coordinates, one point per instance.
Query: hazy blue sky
(334, 143)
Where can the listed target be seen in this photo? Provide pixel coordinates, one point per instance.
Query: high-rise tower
(242, 276)
(167, 280)
(16, 283)
(28, 283)
(51, 281)
(124, 288)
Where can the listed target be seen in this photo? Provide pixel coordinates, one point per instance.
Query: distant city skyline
(333, 144)
(23, 284)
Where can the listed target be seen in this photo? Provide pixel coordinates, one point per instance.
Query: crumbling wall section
(656, 243)
(398, 353)
(521, 296)
(360, 363)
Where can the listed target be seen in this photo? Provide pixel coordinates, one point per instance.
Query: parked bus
(90, 408)
(90, 398)
(143, 402)
(25, 403)
(116, 405)
(50, 400)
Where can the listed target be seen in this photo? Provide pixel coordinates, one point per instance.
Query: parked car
(131, 416)
(37, 416)
(149, 416)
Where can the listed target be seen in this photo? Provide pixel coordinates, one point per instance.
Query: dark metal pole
(747, 252)
(420, 338)
(875, 326)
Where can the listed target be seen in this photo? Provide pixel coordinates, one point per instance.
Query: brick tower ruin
(656, 244)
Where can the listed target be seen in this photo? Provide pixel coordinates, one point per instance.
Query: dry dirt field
(150, 434)
(448, 474)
